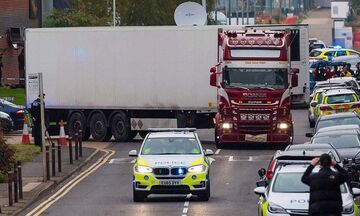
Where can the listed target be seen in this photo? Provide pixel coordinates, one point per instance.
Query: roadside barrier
(80, 143)
(53, 159)
(70, 151)
(47, 161)
(14, 180)
(59, 156)
(76, 140)
(25, 134)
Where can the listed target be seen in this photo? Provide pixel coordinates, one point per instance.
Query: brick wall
(13, 13)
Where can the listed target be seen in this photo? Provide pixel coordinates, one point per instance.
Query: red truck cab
(254, 81)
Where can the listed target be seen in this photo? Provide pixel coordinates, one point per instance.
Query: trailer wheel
(98, 128)
(77, 122)
(120, 127)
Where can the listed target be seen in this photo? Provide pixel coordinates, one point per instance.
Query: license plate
(170, 182)
(340, 110)
(256, 138)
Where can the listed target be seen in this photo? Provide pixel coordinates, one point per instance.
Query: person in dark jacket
(36, 117)
(325, 193)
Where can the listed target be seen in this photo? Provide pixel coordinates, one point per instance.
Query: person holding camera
(325, 193)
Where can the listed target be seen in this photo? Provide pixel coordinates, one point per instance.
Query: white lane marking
(186, 205)
(231, 158)
(72, 183)
(217, 151)
(111, 161)
(251, 158)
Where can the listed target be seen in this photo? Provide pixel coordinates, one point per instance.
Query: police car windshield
(291, 183)
(170, 145)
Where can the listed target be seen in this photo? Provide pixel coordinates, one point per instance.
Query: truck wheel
(98, 128)
(143, 134)
(120, 127)
(77, 122)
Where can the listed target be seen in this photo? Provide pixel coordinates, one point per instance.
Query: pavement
(33, 185)
(320, 25)
(108, 190)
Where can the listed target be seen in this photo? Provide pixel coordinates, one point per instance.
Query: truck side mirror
(213, 79)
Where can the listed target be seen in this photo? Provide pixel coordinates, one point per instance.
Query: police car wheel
(139, 196)
(205, 195)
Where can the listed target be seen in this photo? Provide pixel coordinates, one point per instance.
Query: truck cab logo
(254, 95)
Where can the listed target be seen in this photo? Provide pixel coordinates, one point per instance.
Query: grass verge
(23, 153)
(17, 93)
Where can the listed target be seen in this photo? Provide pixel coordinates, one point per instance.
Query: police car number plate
(170, 182)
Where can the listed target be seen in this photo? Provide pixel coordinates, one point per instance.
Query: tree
(355, 6)
(130, 12)
(6, 155)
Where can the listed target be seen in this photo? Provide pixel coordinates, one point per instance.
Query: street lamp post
(114, 12)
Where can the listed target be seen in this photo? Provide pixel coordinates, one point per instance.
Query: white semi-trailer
(121, 81)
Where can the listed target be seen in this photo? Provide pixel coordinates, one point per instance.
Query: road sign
(33, 83)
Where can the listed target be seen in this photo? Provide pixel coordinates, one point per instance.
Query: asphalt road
(108, 191)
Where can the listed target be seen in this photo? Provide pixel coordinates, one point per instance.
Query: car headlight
(348, 209)
(197, 169)
(226, 126)
(283, 126)
(273, 208)
(143, 169)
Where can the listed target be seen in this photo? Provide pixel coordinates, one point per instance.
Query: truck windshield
(275, 78)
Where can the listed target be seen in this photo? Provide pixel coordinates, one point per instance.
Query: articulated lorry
(122, 81)
(256, 75)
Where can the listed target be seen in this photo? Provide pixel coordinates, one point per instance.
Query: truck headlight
(348, 209)
(283, 126)
(143, 169)
(197, 169)
(273, 208)
(226, 126)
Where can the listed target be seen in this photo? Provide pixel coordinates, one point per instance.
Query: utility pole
(229, 12)
(114, 13)
(242, 12)
(247, 11)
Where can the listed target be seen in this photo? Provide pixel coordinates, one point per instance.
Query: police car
(171, 161)
(287, 195)
(336, 101)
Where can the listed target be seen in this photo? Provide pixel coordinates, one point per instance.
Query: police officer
(325, 193)
(36, 117)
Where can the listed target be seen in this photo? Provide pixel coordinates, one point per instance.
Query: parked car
(336, 101)
(329, 53)
(347, 118)
(345, 138)
(6, 123)
(16, 112)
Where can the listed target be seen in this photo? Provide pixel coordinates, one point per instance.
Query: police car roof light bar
(172, 129)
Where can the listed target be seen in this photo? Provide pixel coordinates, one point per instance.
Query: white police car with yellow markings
(171, 161)
(286, 195)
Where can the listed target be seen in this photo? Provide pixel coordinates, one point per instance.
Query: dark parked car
(344, 139)
(16, 113)
(345, 118)
(6, 123)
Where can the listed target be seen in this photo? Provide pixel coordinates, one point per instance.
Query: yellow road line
(65, 189)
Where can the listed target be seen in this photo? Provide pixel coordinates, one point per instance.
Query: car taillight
(270, 171)
(324, 108)
(355, 106)
(20, 112)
